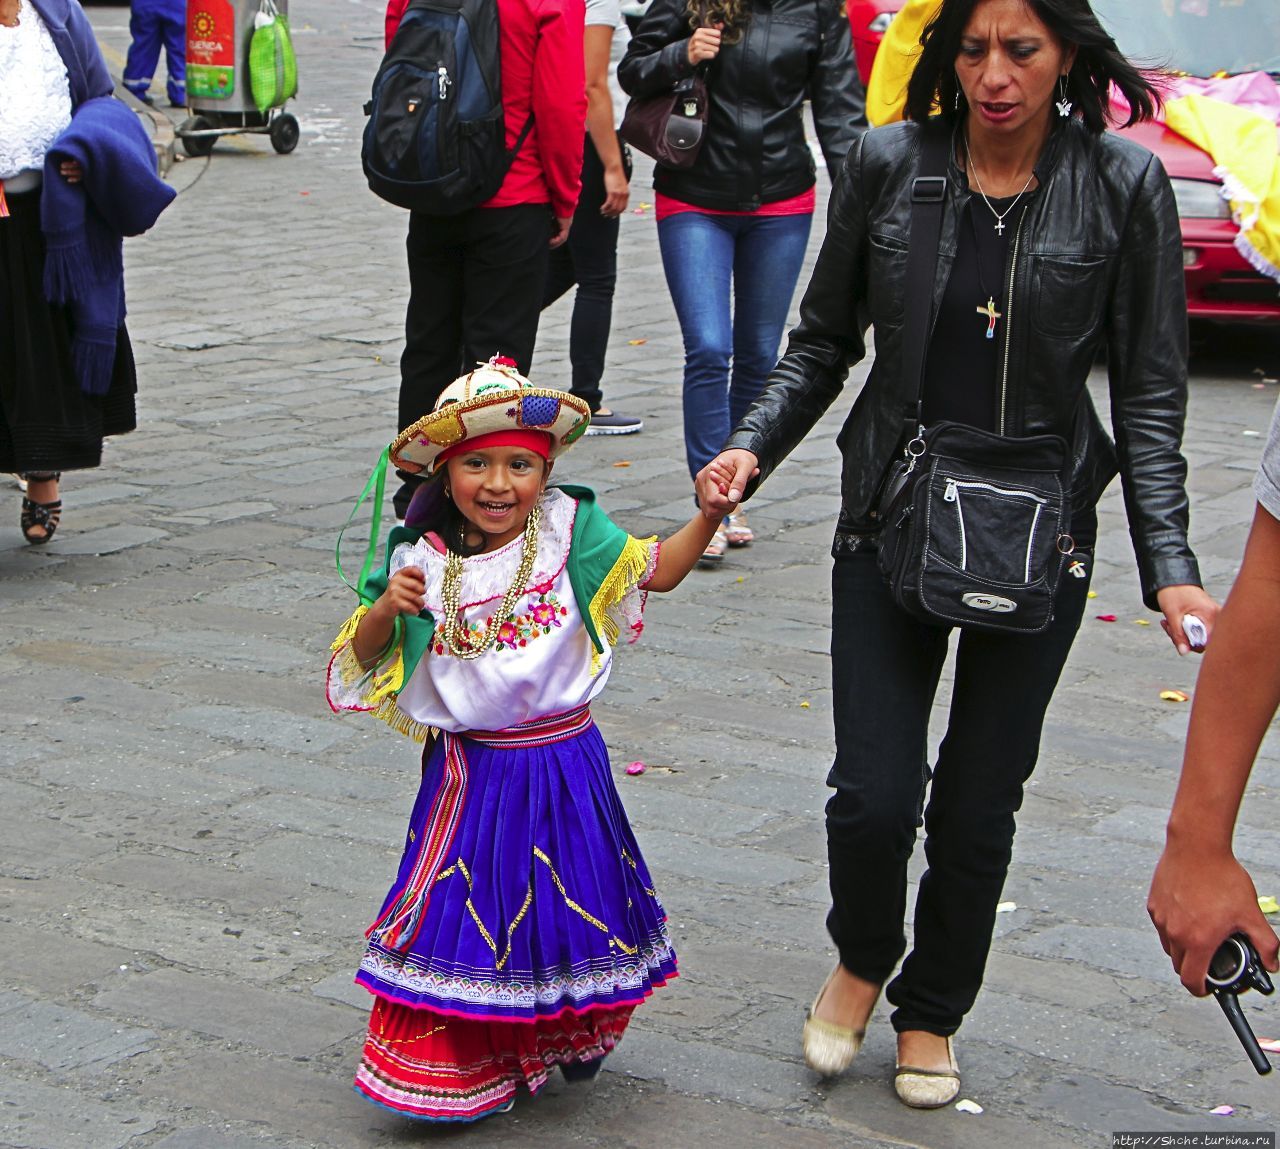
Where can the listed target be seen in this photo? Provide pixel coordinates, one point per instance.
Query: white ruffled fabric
(35, 94)
(542, 661)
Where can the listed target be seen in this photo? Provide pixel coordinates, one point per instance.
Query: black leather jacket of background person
(1097, 261)
(754, 151)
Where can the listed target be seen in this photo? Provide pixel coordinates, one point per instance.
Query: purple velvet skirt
(521, 894)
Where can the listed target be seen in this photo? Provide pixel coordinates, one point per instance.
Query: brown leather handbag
(669, 127)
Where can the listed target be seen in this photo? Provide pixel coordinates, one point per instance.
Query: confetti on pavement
(1006, 907)
(623, 463)
(636, 342)
(636, 768)
(1223, 1110)
(1270, 1044)
(1174, 696)
(967, 1106)
(1268, 905)
(1106, 618)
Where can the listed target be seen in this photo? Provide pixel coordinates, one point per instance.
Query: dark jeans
(475, 281)
(589, 259)
(885, 668)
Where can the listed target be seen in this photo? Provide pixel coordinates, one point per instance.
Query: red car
(867, 20)
(1200, 38)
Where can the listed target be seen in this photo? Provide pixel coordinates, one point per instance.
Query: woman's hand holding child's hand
(723, 481)
(405, 594)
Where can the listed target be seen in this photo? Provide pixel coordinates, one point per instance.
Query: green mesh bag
(273, 67)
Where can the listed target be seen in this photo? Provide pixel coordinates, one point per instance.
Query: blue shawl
(85, 225)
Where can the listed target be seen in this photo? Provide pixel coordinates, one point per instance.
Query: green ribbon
(377, 486)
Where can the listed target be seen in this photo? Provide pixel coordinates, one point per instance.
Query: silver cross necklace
(1000, 215)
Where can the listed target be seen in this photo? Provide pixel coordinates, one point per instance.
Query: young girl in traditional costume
(523, 927)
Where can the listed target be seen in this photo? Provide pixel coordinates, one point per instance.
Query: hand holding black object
(1235, 969)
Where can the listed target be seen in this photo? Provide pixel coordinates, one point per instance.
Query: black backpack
(435, 141)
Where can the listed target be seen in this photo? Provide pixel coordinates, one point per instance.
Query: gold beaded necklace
(453, 628)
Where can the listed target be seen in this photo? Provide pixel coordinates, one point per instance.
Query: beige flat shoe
(928, 1088)
(829, 1048)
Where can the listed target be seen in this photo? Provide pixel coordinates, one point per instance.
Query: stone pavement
(192, 845)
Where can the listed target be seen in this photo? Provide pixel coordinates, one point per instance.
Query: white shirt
(541, 663)
(35, 94)
(603, 12)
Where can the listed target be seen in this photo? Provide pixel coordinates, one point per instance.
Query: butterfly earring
(1064, 105)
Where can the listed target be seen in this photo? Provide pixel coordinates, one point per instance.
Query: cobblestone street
(192, 845)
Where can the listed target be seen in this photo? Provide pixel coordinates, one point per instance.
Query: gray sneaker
(614, 424)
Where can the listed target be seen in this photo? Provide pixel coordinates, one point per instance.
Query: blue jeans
(702, 256)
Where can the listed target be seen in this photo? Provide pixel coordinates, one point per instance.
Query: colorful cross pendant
(992, 315)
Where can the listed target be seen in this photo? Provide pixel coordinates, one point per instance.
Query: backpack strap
(520, 139)
(928, 193)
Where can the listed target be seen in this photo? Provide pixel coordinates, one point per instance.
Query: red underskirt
(427, 1066)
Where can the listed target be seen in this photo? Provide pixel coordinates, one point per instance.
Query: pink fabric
(1254, 91)
(802, 204)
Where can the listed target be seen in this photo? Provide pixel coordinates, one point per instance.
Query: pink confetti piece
(1270, 1044)
(1223, 1110)
(1106, 618)
(636, 768)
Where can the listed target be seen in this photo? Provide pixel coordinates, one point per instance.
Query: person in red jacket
(476, 280)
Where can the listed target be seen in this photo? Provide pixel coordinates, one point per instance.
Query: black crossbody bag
(976, 525)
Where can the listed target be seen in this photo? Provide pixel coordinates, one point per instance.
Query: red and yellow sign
(211, 49)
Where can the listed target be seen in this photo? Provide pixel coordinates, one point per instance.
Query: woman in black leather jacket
(1057, 240)
(742, 212)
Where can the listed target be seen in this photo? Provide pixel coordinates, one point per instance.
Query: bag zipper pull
(443, 81)
(949, 494)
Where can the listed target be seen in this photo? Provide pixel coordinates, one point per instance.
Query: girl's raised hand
(704, 44)
(405, 594)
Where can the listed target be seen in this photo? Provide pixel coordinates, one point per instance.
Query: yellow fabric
(896, 60)
(628, 569)
(1243, 145)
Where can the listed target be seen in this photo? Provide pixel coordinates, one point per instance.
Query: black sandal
(42, 516)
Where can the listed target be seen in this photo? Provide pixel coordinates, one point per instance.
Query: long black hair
(1098, 65)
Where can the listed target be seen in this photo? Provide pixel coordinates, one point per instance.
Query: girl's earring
(1064, 105)
(957, 101)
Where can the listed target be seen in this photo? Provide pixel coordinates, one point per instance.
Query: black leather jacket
(1097, 262)
(754, 151)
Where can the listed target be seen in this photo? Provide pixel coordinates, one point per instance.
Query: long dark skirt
(46, 422)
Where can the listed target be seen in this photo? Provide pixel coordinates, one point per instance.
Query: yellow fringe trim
(385, 684)
(348, 631)
(387, 678)
(626, 572)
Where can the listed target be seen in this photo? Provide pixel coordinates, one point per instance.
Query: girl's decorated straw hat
(493, 398)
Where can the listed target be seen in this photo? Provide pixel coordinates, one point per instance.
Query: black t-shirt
(961, 382)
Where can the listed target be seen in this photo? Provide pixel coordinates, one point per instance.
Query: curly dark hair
(1098, 65)
(733, 14)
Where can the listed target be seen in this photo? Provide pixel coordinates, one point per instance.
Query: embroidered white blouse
(541, 663)
(35, 94)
